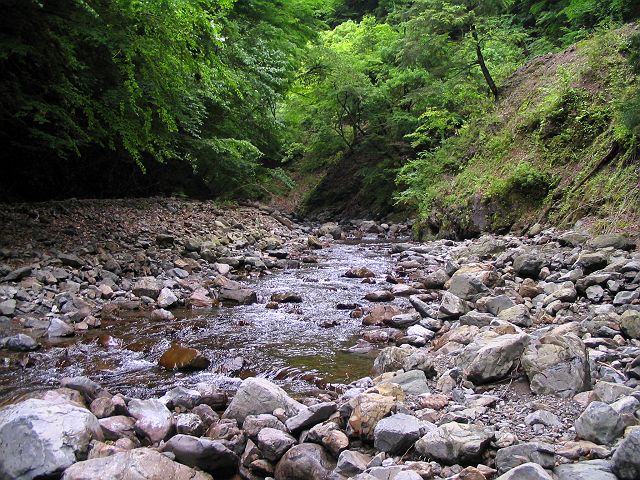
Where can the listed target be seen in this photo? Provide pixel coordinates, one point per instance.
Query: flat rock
(454, 442)
(413, 382)
(590, 470)
(242, 296)
(351, 463)
(138, 464)
(311, 416)
(20, 343)
(379, 296)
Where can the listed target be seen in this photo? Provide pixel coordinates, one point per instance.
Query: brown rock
(179, 357)
(380, 314)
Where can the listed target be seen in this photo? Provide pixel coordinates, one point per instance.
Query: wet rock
(557, 364)
(368, 410)
(379, 296)
(539, 453)
(167, 298)
(304, 462)
(178, 357)
(453, 443)
(288, 297)
(147, 287)
(492, 359)
(19, 343)
(422, 307)
(58, 328)
(380, 314)
(310, 416)
(397, 433)
(452, 307)
(258, 395)
(404, 320)
(153, 419)
(146, 463)
(359, 272)
(313, 242)
(89, 389)
(162, 315)
(626, 459)
(242, 296)
(206, 414)
(212, 456)
(200, 299)
(599, 423)
(182, 397)
(273, 443)
(590, 470)
(40, 439)
(526, 471)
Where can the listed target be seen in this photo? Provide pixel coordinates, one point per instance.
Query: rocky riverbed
(502, 357)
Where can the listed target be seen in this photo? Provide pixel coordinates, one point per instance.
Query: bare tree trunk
(483, 66)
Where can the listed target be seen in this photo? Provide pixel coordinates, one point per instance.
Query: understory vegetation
(474, 115)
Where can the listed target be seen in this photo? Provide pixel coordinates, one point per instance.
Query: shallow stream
(293, 345)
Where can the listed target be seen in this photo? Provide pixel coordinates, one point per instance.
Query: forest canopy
(228, 92)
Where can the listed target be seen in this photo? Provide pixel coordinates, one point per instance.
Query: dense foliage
(228, 92)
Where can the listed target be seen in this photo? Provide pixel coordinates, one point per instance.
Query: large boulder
(528, 265)
(590, 470)
(153, 419)
(454, 442)
(397, 433)
(490, 359)
(599, 423)
(557, 364)
(258, 395)
(390, 359)
(626, 459)
(304, 462)
(274, 443)
(40, 438)
(630, 323)
(615, 240)
(209, 455)
(138, 464)
(368, 410)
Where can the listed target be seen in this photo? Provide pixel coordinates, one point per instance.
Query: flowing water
(292, 345)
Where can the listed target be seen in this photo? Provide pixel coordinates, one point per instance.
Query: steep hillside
(556, 149)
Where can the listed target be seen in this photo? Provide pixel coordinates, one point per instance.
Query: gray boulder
(590, 470)
(258, 395)
(526, 471)
(351, 463)
(496, 305)
(615, 240)
(311, 416)
(166, 298)
(273, 443)
(542, 454)
(304, 462)
(40, 438)
(20, 343)
(397, 433)
(492, 359)
(599, 423)
(58, 328)
(153, 419)
(254, 423)
(518, 315)
(467, 286)
(557, 364)
(209, 455)
(138, 464)
(452, 307)
(626, 459)
(454, 442)
(630, 323)
(528, 266)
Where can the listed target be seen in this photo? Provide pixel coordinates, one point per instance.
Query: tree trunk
(483, 66)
